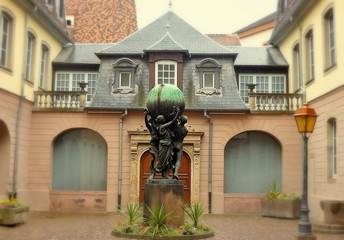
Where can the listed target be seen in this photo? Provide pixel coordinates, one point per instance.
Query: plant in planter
(277, 204)
(154, 226)
(12, 211)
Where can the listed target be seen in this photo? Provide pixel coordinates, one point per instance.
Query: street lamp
(305, 119)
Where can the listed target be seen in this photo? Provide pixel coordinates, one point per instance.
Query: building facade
(32, 35)
(94, 155)
(310, 37)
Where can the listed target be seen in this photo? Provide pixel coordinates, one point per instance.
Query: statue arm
(173, 120)
(149, 127)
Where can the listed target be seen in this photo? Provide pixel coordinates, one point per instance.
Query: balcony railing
(60, 100)
(274, 102)
(258, 102)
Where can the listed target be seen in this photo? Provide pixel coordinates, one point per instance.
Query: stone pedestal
(166, 192)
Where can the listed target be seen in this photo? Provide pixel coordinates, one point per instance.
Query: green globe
(162, 98)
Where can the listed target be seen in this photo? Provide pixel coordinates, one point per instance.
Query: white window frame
(43, 66)
(331, 40)
(332, 148)
(310, 55)
(165, 79)
(297, 67)
(120, 79)
(71, 79)
(254, 78)
(30, 47)
(213, 79)
(5, 39)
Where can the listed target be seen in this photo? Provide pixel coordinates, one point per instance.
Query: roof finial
(170, 5)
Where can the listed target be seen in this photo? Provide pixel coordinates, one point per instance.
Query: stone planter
(13, 216)
(281, 208)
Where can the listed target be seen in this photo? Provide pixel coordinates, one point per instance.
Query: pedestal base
(166, 192)
(303, 237)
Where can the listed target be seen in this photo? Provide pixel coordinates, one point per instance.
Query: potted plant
(281, 205)
(12, 211)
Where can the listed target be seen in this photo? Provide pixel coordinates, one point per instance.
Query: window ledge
(330, 68)
(210, 91)
(310, 81)
(123, 90)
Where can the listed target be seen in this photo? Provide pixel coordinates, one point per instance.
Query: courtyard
(98, 226)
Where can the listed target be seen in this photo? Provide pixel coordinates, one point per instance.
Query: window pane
(124, 79)
(208, 81)
(80, 161)
(252, 163)
(165, 73)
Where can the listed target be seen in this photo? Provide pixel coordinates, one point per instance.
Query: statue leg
(151, 167)
(177, 157)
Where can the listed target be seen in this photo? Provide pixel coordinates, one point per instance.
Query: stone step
(328, 228)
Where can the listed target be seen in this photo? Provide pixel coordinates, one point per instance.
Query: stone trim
(139, 144)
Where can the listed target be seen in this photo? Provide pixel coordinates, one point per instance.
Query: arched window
(30, 51)
(329, 39)
(80, 161)
(309, 48)
(297, 67)
(6, 39)
(252, 163)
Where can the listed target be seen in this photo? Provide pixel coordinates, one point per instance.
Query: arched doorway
(4, 159)
(184, 174)
(252, 163)
(79, 172)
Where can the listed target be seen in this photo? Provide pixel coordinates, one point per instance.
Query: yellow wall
(325, 81)
(12, 80)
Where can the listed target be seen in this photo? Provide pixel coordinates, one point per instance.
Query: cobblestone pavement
(73, 226)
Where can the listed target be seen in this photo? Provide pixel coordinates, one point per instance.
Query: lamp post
(305, 119)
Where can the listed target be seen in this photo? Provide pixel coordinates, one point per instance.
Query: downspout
(210, 161)
(13, 193)
(119, 196)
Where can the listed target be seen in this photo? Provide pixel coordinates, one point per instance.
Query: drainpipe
(210, 162)
(13, 193)
(119, 197)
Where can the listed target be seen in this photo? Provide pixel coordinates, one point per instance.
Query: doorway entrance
(184, 174)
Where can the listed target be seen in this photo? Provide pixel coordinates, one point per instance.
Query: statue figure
(166, 124)
(180, 131)
(165, 144)
(154, 142)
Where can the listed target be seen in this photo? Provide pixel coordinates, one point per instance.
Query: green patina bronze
(162, 98)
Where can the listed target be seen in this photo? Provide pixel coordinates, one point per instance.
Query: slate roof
(80, 54)
(259, 56)
(101, 21)
(142, 40)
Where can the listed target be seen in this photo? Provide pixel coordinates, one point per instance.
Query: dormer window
(209, 76)
(166, 72)
(124, 81)
(208, 80)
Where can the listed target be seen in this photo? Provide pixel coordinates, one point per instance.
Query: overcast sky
(207, 16)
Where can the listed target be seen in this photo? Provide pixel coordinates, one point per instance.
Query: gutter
(120, 178)
(14, 191)
(210, 161)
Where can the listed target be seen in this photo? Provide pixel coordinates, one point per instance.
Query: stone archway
(4, 159)
(139, 144)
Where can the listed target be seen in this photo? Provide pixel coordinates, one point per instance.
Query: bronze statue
(166, 124)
